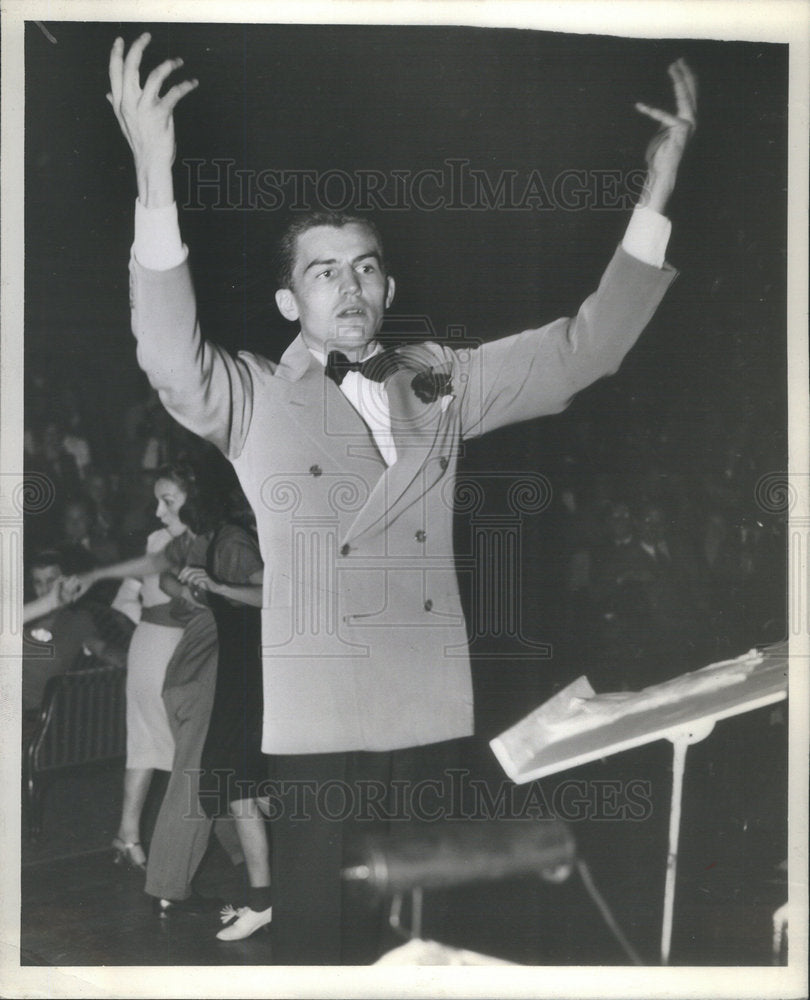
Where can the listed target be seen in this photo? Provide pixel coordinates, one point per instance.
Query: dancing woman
(233, 766)
(182, 830)
(150, 744)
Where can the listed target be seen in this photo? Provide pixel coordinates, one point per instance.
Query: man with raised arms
(350, 469)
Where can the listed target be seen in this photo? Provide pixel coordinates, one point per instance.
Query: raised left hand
(666, 149)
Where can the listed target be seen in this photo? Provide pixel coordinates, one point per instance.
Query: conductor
(347, 454)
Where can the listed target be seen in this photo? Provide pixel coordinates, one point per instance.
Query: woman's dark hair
(204, 508)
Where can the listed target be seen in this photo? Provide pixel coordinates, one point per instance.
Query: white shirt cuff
(157, 244)
(647, 236)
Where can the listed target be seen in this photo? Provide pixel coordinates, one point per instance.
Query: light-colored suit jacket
(364, 641)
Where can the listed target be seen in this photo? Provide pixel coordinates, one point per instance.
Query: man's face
(619, 523)
(651, 525)
(76, 523)
(43, 579)
(51, 440)
(96, 487)
(339, 291)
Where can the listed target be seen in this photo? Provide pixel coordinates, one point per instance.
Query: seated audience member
(55, 461)
(137, 511)
(143, 449)
(53, 475)
(649, 610)
(748, 581)
(98, 487)
(82, 546)
(617, 622)
(675, 597)
(74, 441)
(53, 642)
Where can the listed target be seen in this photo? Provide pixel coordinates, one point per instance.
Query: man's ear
(391, 287)
(287, 306)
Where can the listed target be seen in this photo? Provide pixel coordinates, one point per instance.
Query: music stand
(684, 721)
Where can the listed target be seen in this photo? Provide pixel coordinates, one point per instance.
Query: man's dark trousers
(328, 804)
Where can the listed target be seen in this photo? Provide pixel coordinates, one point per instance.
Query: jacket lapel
(321, 411)
(416, 428)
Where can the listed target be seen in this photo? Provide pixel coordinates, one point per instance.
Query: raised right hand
(146, 118)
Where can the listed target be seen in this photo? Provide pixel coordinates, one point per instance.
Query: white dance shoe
(247, 922)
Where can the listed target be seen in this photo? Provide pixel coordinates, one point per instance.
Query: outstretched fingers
(657, 114)
(666, 148)
(116, 72)
(157, 77)
(172, 96)
(685, 85)
(132, 66)
(125, 88)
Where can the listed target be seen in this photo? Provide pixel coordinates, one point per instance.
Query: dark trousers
(325, 806)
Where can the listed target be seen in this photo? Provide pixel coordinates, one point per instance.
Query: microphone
(458, 853)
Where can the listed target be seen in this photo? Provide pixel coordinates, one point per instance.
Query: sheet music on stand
(577, 725)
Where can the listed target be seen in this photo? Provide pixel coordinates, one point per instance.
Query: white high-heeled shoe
(247, 922)
(128, 854)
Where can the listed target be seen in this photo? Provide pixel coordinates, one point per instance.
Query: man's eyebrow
(364, 256)
(320, 262)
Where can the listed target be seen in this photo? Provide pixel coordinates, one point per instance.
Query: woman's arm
(149, 564)
(66, 589)
(249, 593)
(171, 585)
(41, 606)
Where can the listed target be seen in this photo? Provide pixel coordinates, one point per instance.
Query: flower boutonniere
(430, 385)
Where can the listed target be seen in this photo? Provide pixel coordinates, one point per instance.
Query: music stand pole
(681, 739)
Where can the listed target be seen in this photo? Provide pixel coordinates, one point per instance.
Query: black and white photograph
(404, 500)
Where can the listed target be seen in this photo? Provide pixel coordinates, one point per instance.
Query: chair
(82, 720)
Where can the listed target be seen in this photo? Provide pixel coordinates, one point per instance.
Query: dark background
(707, 379)
(407, 98)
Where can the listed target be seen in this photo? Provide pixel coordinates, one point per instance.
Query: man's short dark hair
(47, 557)
(87, 504)
(287, 244)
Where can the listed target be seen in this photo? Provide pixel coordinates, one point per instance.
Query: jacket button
(345, 549)
(420, 536)
(316, 470)
(428, 605)
(444, 461)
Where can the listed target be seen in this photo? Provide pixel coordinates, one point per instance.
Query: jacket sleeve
(538, 372)
(201, 385)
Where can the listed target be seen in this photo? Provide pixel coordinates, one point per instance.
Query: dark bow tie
(376, 368)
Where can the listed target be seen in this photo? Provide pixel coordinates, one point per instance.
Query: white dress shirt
(370, 399)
